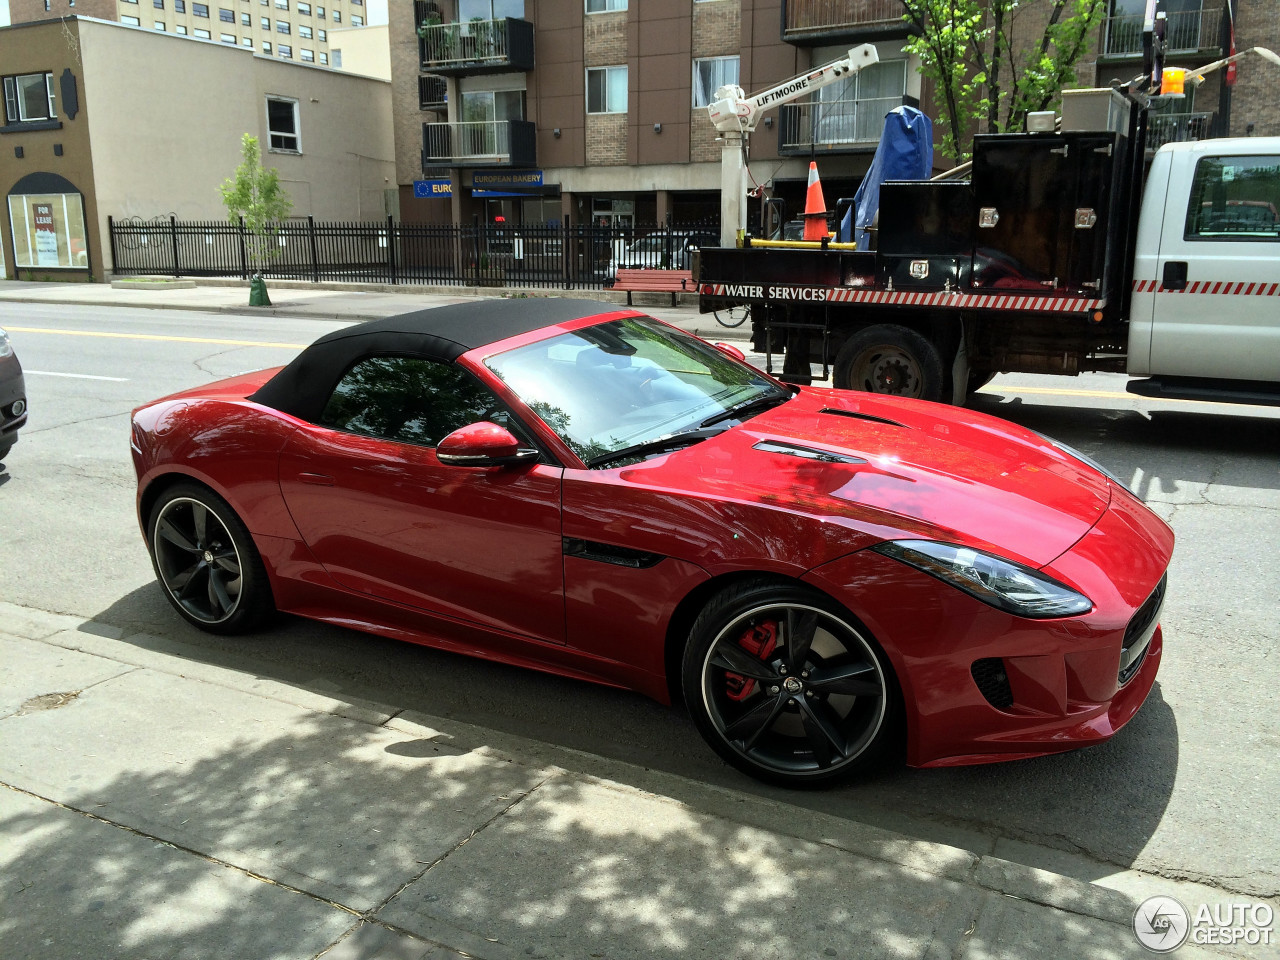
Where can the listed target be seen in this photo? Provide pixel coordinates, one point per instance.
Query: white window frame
(607, 87)
(129, 21)
(14, 105)
(710, 94)
(202, 34)
(605, 6)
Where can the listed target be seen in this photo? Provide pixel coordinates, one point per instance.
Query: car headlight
(1000, 583)
(1086, 460)
(6, 348)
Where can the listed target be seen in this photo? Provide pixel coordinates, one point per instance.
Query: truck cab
(1204, 318)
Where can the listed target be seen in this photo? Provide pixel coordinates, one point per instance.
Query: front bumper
(980, 685)
(13, 391)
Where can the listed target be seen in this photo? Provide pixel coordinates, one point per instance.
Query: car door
(1216, 310)
(386, 518)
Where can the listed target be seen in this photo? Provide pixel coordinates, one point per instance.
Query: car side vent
(993, 682)
(855, 415)
(806, 453)
(1137, 636)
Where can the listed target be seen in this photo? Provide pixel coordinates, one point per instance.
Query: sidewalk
(161, 806)
(339, 301)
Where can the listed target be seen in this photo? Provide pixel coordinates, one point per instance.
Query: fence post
(244, 254)
(475, 223)
(315, 256)
(564, 251)
(391, 248)
(111, 238)
(173, 232)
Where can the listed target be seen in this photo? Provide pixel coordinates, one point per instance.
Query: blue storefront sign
(432, 189)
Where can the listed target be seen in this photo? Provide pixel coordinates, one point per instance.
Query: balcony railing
(433, 93)
(1187, 32)
(484, 143)
(832, 125)
(1165, 128)
(477, 46)
(822, 21)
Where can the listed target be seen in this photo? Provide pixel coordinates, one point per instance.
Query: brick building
(288, 29)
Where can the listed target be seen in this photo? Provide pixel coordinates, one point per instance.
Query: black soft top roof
(440, 333)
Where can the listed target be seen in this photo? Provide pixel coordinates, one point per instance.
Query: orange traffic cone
(815, 207)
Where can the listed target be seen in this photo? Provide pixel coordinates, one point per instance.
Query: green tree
(987, 73)
(255, 195)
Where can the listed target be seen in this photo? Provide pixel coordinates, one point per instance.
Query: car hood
(897, 468)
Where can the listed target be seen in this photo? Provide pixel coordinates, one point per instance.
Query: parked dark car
(13, 396)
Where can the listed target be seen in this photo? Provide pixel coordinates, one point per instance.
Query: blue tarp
(905, 152)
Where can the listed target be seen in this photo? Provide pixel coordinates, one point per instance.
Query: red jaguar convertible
(822, 576)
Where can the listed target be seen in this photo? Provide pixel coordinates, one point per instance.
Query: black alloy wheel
(206, 561)
(785, 688)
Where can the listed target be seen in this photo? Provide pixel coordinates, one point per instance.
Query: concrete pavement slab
(32, 674)
(322, 803)
(78, 887)
(582, 869)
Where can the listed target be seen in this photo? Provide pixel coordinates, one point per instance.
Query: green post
(258, 292)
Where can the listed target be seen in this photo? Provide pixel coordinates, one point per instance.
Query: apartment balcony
(484, 143)
(1165, 128)
(1190, 32)
(433, 93)
(475, 47)
(810, 23)
(832, 126)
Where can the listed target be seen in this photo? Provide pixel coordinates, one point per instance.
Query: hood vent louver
(806, 453)
(855, 415)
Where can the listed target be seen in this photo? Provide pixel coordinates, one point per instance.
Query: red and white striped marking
(959, 301)
(1236, 289)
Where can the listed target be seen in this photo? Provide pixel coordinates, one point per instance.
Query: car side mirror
(483, 444)
(732, 351)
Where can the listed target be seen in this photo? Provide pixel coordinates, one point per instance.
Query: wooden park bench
(659, 281)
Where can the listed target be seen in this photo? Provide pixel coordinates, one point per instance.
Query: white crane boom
(735, 116)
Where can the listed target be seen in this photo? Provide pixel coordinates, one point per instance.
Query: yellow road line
(151, 336)
(1055, 392)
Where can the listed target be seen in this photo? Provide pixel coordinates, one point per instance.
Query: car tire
(206, 561)
(979, 379)
(889, 359)
(4, 451)
(784, 685)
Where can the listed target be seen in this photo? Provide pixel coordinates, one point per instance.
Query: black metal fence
(582, 256)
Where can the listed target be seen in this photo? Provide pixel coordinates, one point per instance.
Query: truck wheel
(890, 359)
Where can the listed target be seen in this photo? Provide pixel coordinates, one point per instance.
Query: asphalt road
(1187, 791)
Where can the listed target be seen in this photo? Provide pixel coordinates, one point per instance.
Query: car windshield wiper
(672, 441)
(758, 405)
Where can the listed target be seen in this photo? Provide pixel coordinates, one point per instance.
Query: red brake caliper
(759, 641)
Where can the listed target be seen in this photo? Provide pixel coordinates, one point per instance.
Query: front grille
(1137, 636)
(993, 682)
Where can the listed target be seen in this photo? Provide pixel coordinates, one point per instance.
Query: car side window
(1235, 198)
(409, 400)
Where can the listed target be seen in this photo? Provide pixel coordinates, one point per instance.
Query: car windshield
(628, 383)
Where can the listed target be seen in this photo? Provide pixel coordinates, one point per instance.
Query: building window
(357, 3)
(322, 36)
(284, 50)
(246, 42)
(131, 21)
(179, 6)
(282, 4)
(228, 38)
(307, 56)
(304, 9)
(337, 16)
(129, 1)
(180, 29)
(266, 48)
(282, 26)
(246, 20)
(601, 6)
(282, 123)
(226, 16)
(607, 90)
(160, 25)
(710, 75)
(29, 97)
(48, 230)
(469, 10)
(200, 10)
(158, 4)
(202, 34)
(337, 59)
(357, 21)
(324, 58)
(304, 31)
(320, 12)
(266, 23)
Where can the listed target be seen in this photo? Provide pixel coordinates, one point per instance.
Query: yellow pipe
(803, 245)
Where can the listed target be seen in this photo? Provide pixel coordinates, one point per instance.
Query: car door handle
(319, 479)
(1175, 275)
